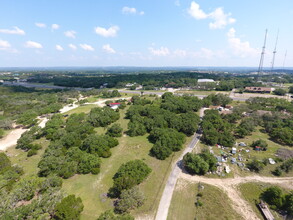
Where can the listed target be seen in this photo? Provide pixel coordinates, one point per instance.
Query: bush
(32, 152)
(255, 165)
(194, 164)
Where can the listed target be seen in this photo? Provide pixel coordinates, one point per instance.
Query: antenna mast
(284, 59)
(274, 52)
(262, 55)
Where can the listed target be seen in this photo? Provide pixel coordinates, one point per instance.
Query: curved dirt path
(229, 186)
(11, 139)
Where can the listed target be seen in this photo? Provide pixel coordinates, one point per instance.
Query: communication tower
(262, 54)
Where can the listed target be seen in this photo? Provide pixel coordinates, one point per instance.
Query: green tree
(109, 215)
(4, 162)
(69, 208)
(273, 196)
(130, 174)
(129, 199)
(280, 92)
(115, 131)
(194, 164)
(288, 203)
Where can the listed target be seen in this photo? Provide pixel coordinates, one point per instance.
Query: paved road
(165, 201)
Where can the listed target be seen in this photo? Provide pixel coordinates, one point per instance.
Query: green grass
(93, 188)
(216, 204)
(83, 108)
(29, 164)
(251, 193)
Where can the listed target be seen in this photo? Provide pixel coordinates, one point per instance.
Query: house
(115, 105)
(258, 89)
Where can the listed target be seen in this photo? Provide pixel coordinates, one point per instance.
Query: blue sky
(38, 33)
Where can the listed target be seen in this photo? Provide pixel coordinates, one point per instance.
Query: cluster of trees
(74, 147)
(278, 200)
(23, 105)
(166, 120)
(112, 94)
(199, 163)
(33, 197)
(217, 130)
(126, 180)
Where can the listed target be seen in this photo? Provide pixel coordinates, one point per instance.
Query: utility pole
(262, 55)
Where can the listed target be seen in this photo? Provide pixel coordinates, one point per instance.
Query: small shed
(234, 150)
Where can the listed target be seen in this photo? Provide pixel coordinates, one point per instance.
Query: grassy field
(216, 205)
(93, 188)
(29, 164)
(251, 192)
(83, 108)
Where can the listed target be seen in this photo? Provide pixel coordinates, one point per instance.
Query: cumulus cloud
(40, 25)
(220, 19)
(196, 12)
(128, 10)
(72, 46)
(4, 44)
(110, 32)
(33, 44)
(58, 47)
(87, 47)
(14, 30)
(55, 26)
(70, 34)
(162, 51)
(240, 48)
(107, 48)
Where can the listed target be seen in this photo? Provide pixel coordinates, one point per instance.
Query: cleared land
(216, 204)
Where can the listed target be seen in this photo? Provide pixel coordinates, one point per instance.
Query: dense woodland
(156, 80)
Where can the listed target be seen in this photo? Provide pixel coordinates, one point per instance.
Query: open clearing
(216, 205)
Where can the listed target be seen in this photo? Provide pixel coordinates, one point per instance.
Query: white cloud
(55, 26)
(162, 51)
(196, 12)
(177, 3)
(107, 48)
(180, 53)
(4, 44)
(58, 47)
(110, 32)
(70, 34)
(40, 25)
(14, 30)
(72, 46)
(32, 44)
(87, 47)
(127, 10)
(240, 48)
(218, 15)
(220, 19)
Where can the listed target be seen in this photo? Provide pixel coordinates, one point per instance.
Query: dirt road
(229, 186)
(11, 139)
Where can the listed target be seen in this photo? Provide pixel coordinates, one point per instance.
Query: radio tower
(262, 54)
(284, 59)
(274, 52)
